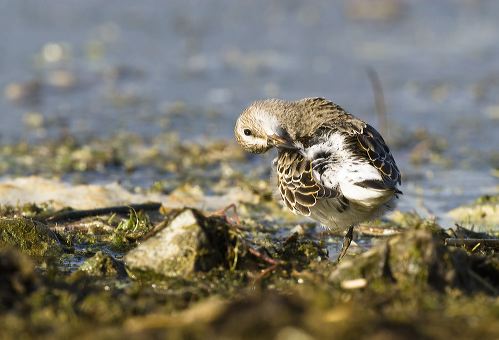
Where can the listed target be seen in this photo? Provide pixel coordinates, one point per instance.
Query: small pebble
(354, 284)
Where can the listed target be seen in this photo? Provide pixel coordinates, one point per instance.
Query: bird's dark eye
(247, 132)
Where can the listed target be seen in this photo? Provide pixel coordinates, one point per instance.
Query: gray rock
(102, 264)
(190, 242)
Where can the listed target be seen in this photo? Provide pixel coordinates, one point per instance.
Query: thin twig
(274, 264)
(263, 257)
(265, 272)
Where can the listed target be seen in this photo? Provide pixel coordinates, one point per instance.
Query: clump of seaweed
(300, 252)
(130, 230)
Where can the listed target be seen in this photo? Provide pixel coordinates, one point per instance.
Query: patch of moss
(31, 237)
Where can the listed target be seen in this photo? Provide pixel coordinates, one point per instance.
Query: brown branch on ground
(265, 272)
(263, 257)
(72, 215)
(274, 264)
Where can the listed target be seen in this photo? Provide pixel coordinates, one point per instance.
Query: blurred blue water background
(97, 67)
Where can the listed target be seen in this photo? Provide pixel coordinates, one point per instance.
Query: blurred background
(91, 69)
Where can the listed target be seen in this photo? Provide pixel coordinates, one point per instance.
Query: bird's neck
(302, 119)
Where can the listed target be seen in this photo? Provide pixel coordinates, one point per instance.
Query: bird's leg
(346, 243)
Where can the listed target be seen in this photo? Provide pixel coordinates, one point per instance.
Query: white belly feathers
(343, 171)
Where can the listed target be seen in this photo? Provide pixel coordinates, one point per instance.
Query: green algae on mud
(31, 237)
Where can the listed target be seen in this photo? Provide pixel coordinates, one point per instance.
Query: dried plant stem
(379, 101)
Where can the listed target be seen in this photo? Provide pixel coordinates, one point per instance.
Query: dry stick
(472, 242)
(263, 257)
(73, 215)
(265, 272)
(379, 101)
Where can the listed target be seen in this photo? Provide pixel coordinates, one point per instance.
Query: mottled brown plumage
(297, 186)
(330, 166)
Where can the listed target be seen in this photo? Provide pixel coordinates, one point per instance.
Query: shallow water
(192, 66)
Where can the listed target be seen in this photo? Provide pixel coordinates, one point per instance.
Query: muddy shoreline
(199, 274)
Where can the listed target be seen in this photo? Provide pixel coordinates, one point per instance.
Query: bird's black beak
(281, 142)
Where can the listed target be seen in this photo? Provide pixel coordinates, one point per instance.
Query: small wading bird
(331, 166)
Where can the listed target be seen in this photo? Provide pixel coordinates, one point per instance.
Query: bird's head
(258, 128)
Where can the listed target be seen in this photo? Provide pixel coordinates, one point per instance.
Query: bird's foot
(346, 243)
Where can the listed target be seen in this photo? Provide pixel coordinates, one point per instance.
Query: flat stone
(190, 242)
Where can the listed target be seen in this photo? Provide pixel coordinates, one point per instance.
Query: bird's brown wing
(367, 144)
(297, 186)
